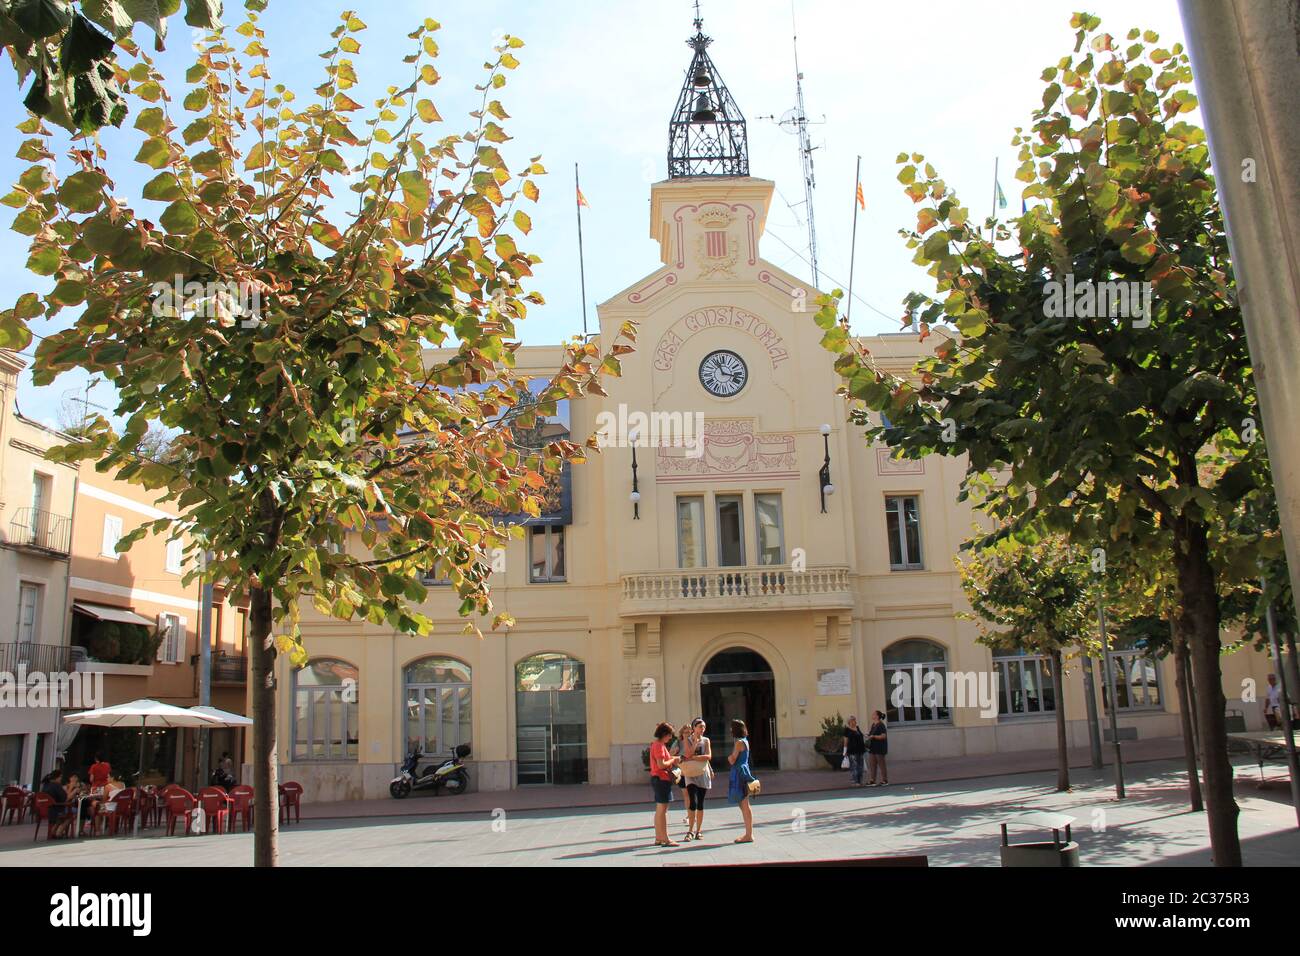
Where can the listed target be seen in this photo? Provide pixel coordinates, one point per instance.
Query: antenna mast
(800, 121)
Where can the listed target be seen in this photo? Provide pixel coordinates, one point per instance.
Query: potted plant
(830, 742)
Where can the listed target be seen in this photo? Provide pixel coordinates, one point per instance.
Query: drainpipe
(205, 668)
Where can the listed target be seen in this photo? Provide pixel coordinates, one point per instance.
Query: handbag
(695, 767)
(755, 787)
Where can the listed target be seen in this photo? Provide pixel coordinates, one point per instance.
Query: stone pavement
(774, 783)
(954, 823)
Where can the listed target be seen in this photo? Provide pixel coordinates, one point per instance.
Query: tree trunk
(1185, 713)
(1062, 743)
(266, 790)
(1197, 620)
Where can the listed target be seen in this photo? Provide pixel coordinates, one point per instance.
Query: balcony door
(738, 684)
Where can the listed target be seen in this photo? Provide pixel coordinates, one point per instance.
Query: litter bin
(1054, 853)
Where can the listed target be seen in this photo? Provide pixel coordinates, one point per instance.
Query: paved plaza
(954, 823)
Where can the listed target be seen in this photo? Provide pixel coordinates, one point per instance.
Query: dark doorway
(738, 683)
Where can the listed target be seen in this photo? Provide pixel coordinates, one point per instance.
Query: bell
(702, 78)
(703, 111)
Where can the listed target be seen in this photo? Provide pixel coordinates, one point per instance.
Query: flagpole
(853, 245)
(582, 269)
(993, 231)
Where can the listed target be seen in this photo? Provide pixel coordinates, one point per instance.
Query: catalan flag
(582, 200)
(862, 200)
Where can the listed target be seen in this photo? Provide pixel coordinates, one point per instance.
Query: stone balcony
(708, 590)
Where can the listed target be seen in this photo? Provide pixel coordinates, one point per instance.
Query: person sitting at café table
(52, 787)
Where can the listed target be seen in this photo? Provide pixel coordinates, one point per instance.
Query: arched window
(438, 705)
(916, 674)
(325, 710)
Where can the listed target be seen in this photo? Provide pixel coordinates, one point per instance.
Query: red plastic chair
(180, 806)
(290, 799)
(216, 807)
(241, 805)
(123, 813)
(13, 802)
(41, 806)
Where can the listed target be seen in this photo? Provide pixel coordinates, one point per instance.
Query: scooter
(450, 775)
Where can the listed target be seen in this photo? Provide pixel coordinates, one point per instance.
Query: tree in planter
(291, 364)
(1100, 423)
(1033, 596)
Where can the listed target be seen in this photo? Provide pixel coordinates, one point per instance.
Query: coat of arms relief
(718, 251)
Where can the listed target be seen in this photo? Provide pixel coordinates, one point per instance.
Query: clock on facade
(723, 373)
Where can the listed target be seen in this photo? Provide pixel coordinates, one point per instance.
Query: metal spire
(706, 136)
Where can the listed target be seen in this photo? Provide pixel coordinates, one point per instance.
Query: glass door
(551, 720)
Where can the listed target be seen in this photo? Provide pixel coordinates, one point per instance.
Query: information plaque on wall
(831, 683)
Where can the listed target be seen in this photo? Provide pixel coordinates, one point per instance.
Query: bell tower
(706, 135)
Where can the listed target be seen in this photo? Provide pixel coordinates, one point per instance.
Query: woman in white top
(698, 750)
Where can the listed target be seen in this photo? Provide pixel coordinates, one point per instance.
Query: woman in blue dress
(741, 775)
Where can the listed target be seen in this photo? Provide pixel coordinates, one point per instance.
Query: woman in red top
(661, 780)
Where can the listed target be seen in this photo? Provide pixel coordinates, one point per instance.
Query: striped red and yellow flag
(582, 200)
(862, 200)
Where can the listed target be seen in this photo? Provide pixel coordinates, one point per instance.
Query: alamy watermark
(76, 690)
(948, 689)
(217, 299)
(1111, 298)
(657, 429)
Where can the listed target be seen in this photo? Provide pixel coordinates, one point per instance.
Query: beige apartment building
(69, 604)
(716, 577)
(36, 503)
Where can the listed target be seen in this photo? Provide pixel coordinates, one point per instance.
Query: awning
(102, 612)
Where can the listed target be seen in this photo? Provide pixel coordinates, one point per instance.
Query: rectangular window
(903, 523)
(175, 556)
(731, 531)
(172, 646)
(1137, 681)
(771, 534)
(1025, 685)
(690, 532)
(40, 492)
(546, 553)
(29, 612)
(112, 535)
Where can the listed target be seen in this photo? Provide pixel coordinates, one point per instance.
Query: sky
(598, 81)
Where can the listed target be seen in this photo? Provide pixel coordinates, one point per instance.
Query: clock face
(723, 373)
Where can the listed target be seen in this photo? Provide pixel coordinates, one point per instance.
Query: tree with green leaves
(1098, 364)
(280, 333)
(67, 48)
(1033, 595)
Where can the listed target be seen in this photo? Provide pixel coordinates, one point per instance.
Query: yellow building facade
(733, 586)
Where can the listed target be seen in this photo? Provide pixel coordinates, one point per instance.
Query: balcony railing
(771, 587)
(42, 658)
(40, 530)
(229, 668)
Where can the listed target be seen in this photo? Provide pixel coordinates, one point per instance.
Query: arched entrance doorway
(551, 719)
(738, 683)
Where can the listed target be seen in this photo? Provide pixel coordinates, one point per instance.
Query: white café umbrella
(222, 718)
(142, 713)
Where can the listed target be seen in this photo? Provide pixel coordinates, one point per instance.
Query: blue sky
(598, 81)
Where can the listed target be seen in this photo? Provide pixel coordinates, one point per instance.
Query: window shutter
(180, 639)
(162, 645)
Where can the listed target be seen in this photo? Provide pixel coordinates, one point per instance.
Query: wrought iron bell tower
(706, 136)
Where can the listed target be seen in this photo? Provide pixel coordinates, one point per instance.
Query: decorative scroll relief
(722, 316)
(653, 288)
(885, 465)
(732, 449)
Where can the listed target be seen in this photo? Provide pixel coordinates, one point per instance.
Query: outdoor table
(1263, 745)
